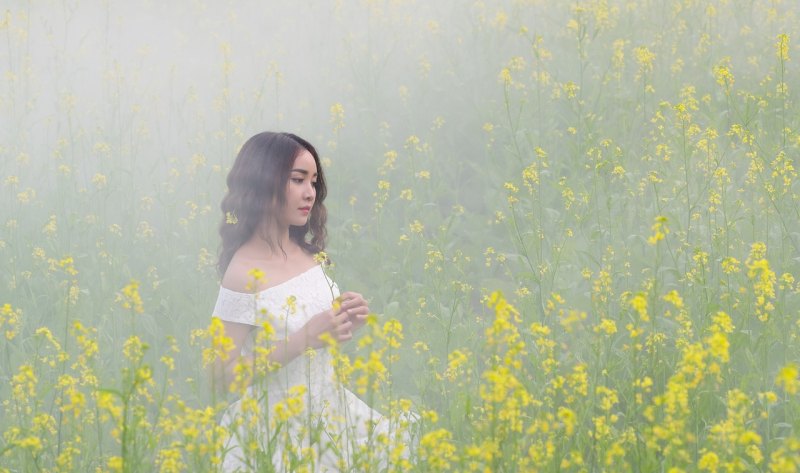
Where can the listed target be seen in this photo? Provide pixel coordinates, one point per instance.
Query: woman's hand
(356, 308)
(339, 323)
(334, 323)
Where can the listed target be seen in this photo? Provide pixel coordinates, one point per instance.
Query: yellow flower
(337, 116)
(51, 227)
(639, 304)
(645, 58)
(608, 398)
(388, 164)
(722, 322)
(614, 451)
(392, 331)
(115, 463)
(455, 360)
(321, 257)
(763, 278)
(660, 230)
(754, 453)
(291, 304)
(129, 297)
(430, 416)
(99, 180)
(730, 265)
(256, 274)
(718, 346)
(530, 177)
(23, 384)
(768, 397)
(505, 77)
(10, 321)
(33, 443)
(134, 349)
(12, 181)
(571, 89)
(437, 450)
(220, 343)
(290, 406)
(412, 142)
(568, 419)
(788, 378)
(723, 75)
(709, 461)
(170, 460)
(674, 298)
(782, 47)
(606, 326)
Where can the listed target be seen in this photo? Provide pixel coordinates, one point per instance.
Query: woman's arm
(223, 369)
(283, 352)
(337, 323)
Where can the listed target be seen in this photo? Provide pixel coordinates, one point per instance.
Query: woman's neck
(279, 243)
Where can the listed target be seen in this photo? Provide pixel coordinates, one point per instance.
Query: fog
(569, 154)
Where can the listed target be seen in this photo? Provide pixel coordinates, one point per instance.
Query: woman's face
(301, 189)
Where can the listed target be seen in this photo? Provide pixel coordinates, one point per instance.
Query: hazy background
(119, 122)
(157, 98)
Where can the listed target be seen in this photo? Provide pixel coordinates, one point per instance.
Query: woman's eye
(297, 180)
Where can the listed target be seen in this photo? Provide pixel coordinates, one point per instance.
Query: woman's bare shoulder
(274, 268)
(238, 276)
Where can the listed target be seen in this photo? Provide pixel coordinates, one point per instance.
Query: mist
(574, 191)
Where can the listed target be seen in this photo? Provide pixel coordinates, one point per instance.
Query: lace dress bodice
(336, 426)
(287, 307)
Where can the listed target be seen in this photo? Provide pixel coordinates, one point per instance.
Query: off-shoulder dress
(264, 424)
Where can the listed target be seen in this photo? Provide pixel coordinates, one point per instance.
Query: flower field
(577, 224)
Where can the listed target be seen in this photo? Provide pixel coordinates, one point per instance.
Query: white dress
(335, 426)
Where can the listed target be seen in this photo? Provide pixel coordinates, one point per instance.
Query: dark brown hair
(257, 189)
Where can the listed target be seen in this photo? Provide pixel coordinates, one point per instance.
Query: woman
(273, 226)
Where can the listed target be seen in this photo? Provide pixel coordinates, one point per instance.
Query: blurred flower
(787, 378)
(129, 297)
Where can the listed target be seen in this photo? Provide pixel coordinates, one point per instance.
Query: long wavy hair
(257, 193)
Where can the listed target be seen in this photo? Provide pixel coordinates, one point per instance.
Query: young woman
(273, 226)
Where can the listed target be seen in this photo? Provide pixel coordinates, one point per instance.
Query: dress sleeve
(235, 307)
